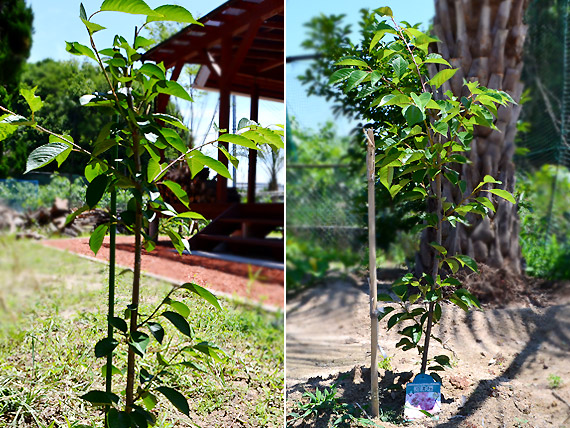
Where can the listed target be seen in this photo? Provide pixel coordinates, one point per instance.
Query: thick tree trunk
(484, 40)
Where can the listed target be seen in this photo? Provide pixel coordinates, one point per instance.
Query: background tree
(328, 38)
(15, 44)
(484, 40)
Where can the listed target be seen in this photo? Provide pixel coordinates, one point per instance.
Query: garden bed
(225, 277)
(510, 365)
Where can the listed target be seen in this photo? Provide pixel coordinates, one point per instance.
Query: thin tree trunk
(484, 40)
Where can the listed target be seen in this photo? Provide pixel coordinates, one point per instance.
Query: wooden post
(251, 172)
(371, 169)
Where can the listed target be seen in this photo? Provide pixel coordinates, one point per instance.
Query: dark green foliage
(60, 85)
(15, 43)
(328, 37)
(546, 255)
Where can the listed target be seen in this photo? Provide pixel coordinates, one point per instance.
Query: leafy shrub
(545, 231)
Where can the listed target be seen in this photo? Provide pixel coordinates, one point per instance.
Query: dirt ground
(502, 358)
(231, 278)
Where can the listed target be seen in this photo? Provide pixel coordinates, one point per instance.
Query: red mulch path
(218, 275)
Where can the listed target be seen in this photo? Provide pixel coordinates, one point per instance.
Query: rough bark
(484, 40)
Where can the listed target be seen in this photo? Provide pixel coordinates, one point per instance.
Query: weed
(385, 363)
(325, 402)
(520, 423)
(554, 381)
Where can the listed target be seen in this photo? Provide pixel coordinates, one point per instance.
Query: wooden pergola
(240, 48)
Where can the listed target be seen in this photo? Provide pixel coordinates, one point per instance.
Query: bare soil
(502, 356)
(258, 284)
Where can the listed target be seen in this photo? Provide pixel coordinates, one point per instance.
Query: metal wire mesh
(322, 206)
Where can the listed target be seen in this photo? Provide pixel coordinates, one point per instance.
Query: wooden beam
(224, 119)
(252, 167)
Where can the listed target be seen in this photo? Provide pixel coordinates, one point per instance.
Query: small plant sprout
(554, 381)
(413, 161)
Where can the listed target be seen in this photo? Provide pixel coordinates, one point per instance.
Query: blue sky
(313, 111)
(57, 21)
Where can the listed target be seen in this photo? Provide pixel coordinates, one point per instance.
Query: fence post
(371, 170)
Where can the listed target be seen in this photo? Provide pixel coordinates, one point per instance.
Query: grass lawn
(53, 311)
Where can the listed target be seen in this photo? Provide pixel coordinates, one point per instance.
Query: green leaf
(45, 154)
(176, 398)
(400, 66)
(153, 171)
(486, 203)
(340, 75)
(76, 48)
(152, 70)
(352, 61)
(171, 120)
(234, 161)
(118, 419)
(32, 99)
(138, 342)
(239, 140)
(434, 58)
(202, 292)
(440, 249)
(382, 297)
(468, 261)
(172, 138)
(114, 371)
(400, 99)
(143, 42)
(156, 330)
(93, 170)
(178, 191)
(197, 160)
(422, 100)
(96, 190)
(170, 87)
(180, 244)
(92, 26)
(149, 400)
(190, 214)
(104, 347)
(442, 77)
(413, 115)
(97, 236)
(443, 360)
(82, 13)
(119, 324)
(63, 155)
(173, 13)
(503, 194)
(386, 174)
(354, 79)
(384, 11)
(440, 127)
(179, 322)
(100, 398)
(135, 7)
(490, 179)
(180, 307)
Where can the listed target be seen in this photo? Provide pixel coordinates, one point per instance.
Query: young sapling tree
(412, 162)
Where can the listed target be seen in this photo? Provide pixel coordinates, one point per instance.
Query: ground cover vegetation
(51, 312)
(138, 137)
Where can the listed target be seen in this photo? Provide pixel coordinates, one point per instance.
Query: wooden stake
(371, 170)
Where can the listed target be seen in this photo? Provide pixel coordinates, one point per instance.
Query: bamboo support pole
(371, 169)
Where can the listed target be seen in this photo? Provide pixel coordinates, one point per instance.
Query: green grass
(53, 311)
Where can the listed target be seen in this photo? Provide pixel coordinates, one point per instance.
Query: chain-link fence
(321, 206)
